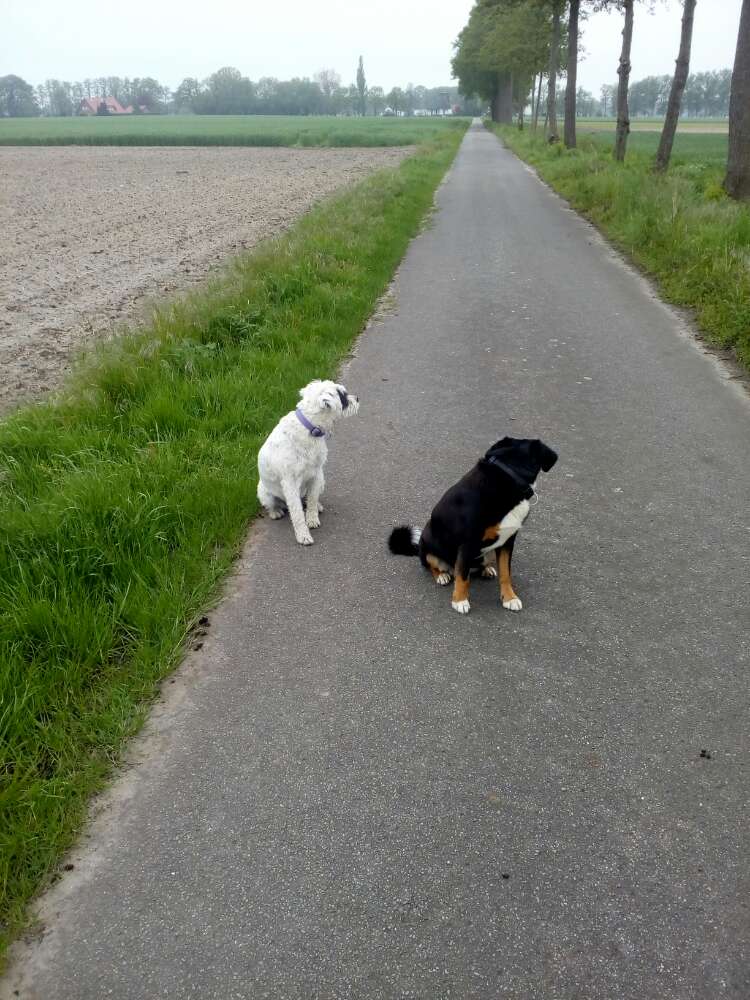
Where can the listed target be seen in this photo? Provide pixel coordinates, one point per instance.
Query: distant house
(90, 106)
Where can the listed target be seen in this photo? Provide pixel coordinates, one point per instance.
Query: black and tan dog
(474, 524)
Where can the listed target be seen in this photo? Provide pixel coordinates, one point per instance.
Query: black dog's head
(526, 457)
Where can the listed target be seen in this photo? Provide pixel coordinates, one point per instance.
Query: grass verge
(222, 130)
(680, 228)
(123, 504)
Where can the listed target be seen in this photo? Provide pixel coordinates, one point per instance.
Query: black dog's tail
(404, 541)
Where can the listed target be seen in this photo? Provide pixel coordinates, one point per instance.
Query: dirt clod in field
(88, 235)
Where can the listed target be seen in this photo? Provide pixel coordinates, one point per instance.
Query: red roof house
(90, 106)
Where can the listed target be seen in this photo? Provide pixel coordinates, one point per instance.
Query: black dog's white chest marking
(509, 525)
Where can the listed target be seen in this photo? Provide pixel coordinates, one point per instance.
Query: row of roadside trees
(228, 92)
(509, 47)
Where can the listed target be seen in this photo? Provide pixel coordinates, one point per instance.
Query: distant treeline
(706, 96)
(228, 92)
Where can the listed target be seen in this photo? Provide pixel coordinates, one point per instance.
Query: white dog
(290, 463)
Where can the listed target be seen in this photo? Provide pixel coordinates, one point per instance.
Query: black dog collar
(511, 474)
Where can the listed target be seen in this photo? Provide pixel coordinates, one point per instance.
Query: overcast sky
(402, 41)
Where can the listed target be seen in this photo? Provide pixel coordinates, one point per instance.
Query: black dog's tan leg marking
(460, 599)
(441, 572)
(489, 572)
(508, 596)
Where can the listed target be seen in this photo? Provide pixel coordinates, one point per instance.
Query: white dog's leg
(296, 513)
(312, 515)
(269, 501)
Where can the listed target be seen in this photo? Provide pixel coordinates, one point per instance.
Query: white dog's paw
(489, 573)
(313, 521)
(276, 514)
(514, 605)
(443, 579)
(306, 539)
(463, 607)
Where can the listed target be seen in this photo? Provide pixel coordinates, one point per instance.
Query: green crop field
(719, 126)
(221, 130)
(696, 149)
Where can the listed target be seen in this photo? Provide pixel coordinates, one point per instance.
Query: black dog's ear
(547, 457)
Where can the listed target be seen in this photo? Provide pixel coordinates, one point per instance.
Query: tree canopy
(504, 44)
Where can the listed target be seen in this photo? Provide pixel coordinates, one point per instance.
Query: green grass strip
(680, 228)
(123, 505)
(223, 130)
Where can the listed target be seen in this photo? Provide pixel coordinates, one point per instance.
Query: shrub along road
(350, 790)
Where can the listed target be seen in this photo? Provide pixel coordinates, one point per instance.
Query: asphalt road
(353, 792)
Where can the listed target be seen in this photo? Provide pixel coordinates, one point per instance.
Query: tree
(649, 95)
(554, 62)
(186, 95)
(623, 72)
(678, 86)
(17, 98)
(146, 92)
(737, 180)
(396, 99)
(503, 46)
(569, 129)
(376, 98)
(477, 68)
(538, 100)
(607, 94)
(585, 103)
(409, 99)
(329, 82)
(59, 100)
(362, 87)
(228, 92)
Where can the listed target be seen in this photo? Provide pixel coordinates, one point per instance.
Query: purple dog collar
(316, 432)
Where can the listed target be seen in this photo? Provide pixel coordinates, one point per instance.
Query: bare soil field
(90, 235)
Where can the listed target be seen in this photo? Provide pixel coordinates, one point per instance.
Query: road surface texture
(351, 791)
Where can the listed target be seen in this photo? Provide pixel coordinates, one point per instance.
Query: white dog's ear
(310, 385)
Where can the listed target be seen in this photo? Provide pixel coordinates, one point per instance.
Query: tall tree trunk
(554, 58)
(737, 181)
(570, 86)
(502, 107)
(678, 86)
(533, 97)
(494, 107)
(623, 71)
(538, 101)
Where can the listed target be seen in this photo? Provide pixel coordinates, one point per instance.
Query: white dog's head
(320, 400)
